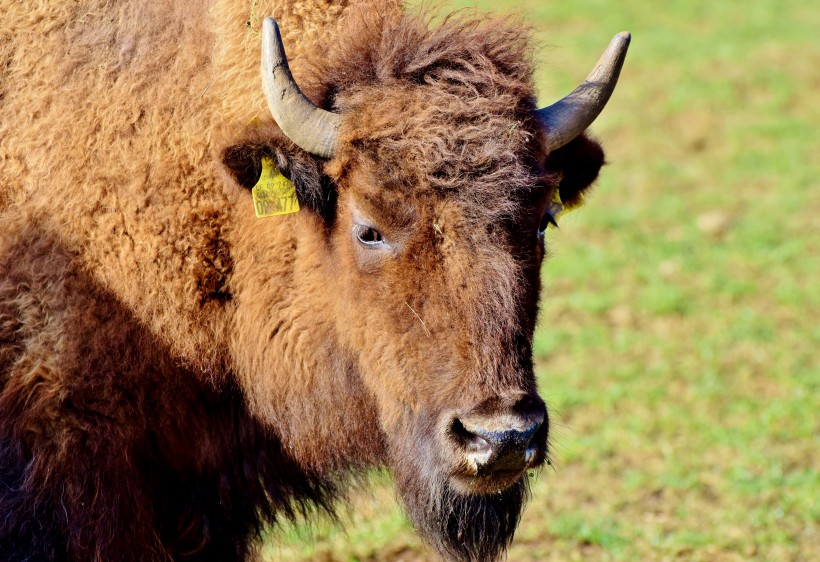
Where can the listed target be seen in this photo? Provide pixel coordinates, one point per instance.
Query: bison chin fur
(460, 526)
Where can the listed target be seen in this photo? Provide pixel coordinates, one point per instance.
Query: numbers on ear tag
(273, 194)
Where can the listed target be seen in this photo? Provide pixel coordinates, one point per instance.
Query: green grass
(679, 348)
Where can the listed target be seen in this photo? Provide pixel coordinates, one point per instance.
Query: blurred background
(679, 344)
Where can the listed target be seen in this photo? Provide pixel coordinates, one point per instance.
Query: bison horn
(570, 116)
(311, 128)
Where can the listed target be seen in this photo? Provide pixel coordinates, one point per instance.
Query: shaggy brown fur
(174, 372)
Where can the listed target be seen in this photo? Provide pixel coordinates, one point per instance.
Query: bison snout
(497, 443)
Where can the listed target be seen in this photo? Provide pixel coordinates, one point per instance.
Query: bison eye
(368, 235)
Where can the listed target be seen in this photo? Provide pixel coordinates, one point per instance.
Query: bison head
(434, 178)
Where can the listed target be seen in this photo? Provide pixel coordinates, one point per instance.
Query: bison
(176, 373)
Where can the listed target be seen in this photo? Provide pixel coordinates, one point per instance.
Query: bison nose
(500, 443)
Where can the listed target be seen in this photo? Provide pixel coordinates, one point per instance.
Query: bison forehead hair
(453, 103)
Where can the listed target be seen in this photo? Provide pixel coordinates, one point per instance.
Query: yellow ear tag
(273, 194)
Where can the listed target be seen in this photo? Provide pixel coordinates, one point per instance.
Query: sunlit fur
(176, 373)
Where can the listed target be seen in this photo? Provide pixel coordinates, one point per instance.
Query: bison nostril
(478, 450)
(471, 441)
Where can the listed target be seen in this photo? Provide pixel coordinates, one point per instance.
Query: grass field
(679, 347)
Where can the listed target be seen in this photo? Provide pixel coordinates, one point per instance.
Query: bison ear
(314, 189)
(577, 164)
